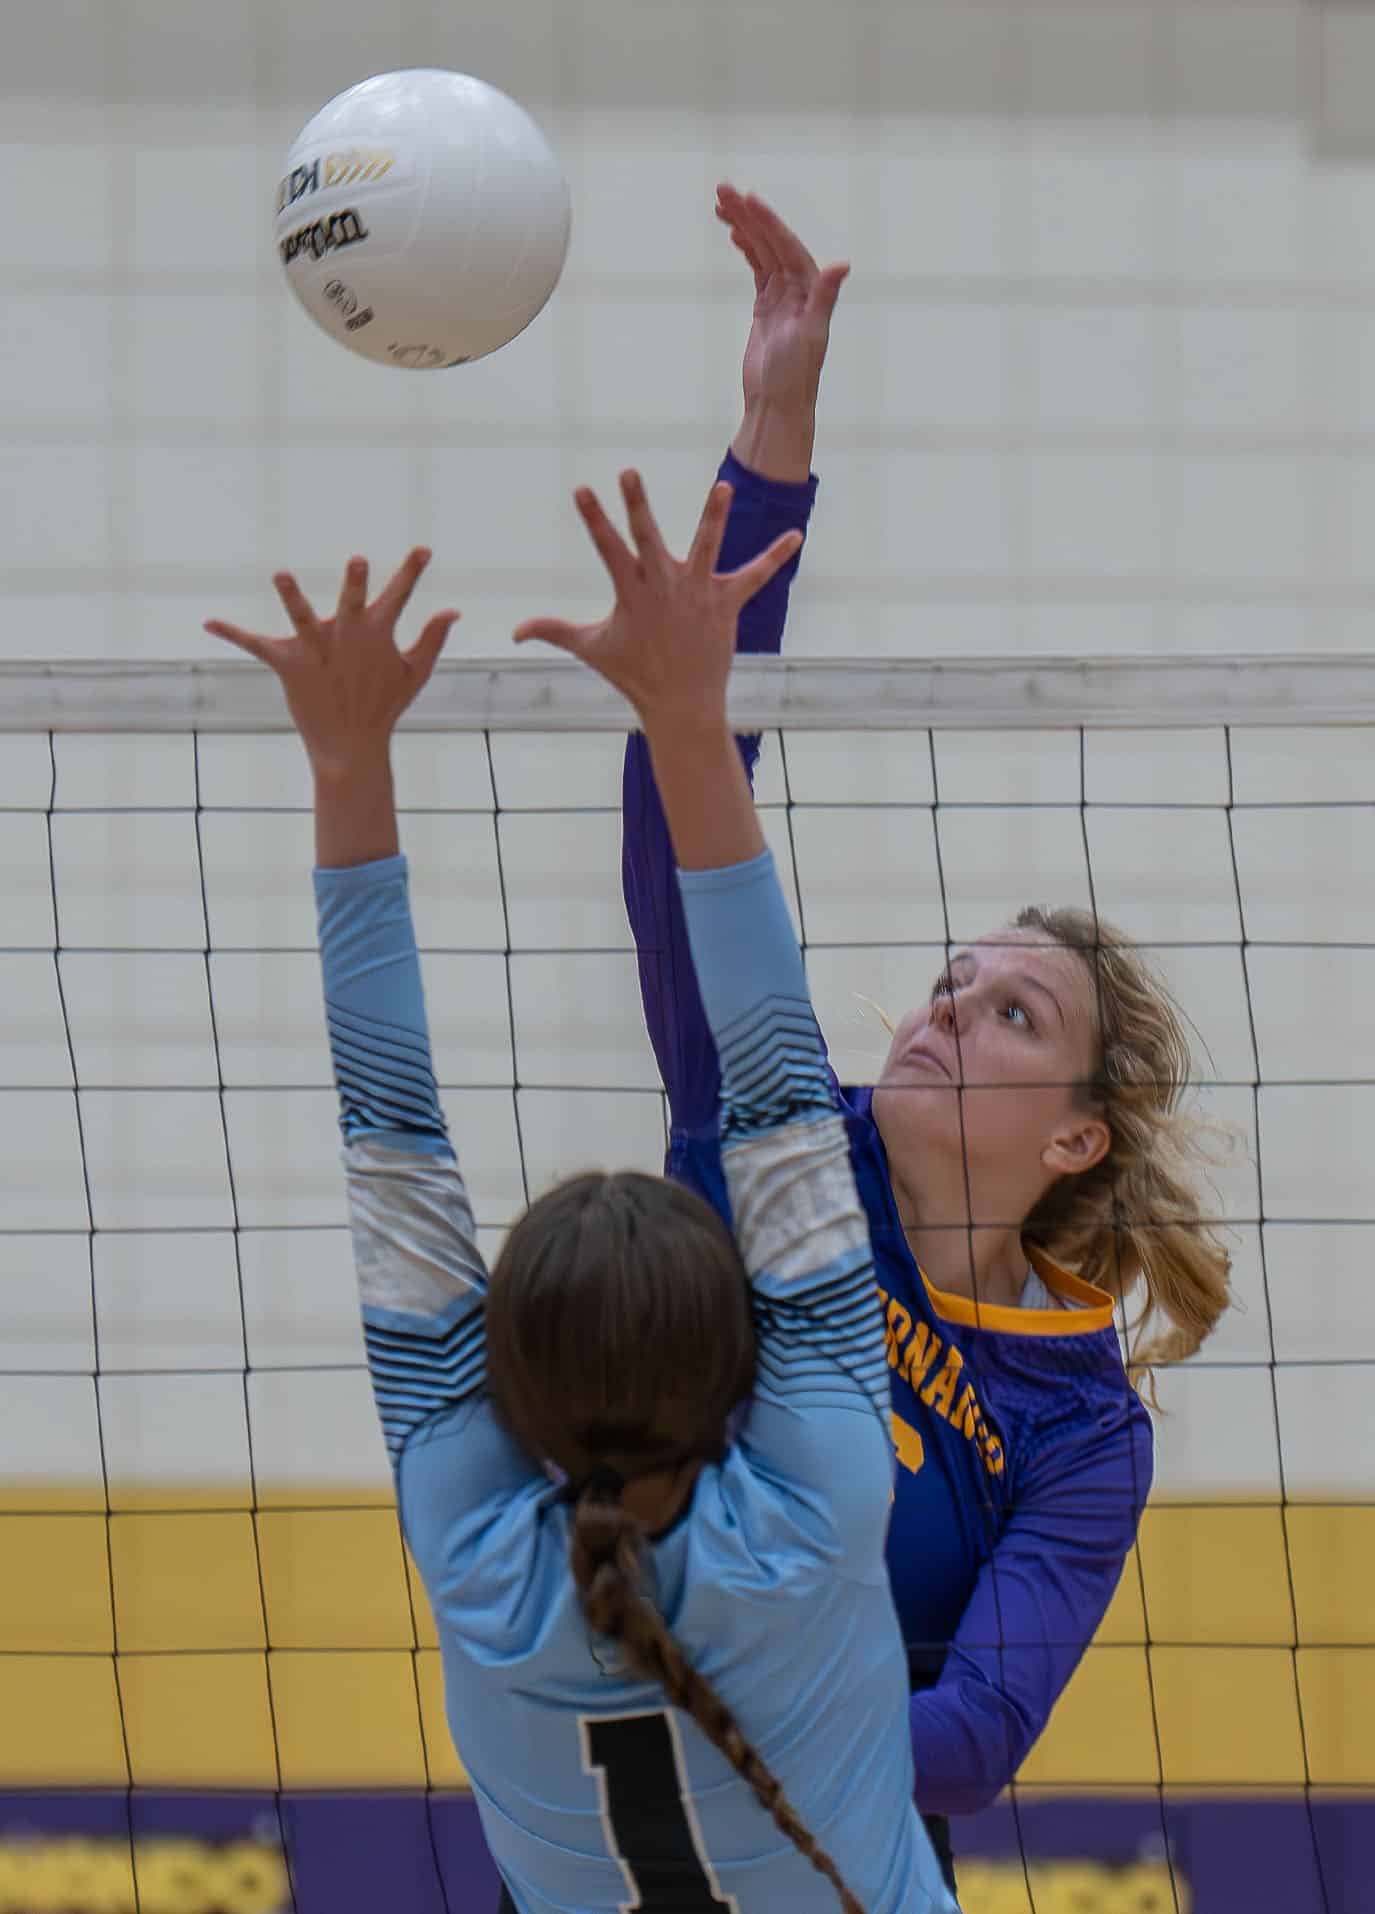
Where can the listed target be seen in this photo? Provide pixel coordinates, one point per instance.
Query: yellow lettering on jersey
(914, 1349)
(965, 1417)
(896, 1331)
(922, 1351)
(911, 1451)
(940, 1393)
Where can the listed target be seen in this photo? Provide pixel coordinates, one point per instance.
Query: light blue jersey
(595, 1793)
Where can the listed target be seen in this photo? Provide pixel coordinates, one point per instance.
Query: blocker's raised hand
(346, 680)
(669, 639)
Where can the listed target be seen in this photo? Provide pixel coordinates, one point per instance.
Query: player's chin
(914, 1112)
(922, 1082)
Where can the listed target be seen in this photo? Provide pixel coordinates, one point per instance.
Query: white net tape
(818, 694)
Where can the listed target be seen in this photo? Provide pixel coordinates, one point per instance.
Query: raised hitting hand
(669, 639)
(346, 680)
(794, 299)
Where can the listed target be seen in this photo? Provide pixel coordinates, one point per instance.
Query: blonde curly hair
(1135, 1223)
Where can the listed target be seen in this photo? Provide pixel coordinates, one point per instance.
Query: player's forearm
(674, 1017)
(967, 1745)
(355, 813)
(793, 1202)
(375, 1003)
(706, 794)
(421, 1278)
(754, 988)
(777, 441)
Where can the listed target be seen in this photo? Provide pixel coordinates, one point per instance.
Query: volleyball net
(205, 1593)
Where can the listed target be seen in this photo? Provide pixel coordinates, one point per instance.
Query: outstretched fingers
(826, 290)
(273, 651)
(751, 257)
(353, 593)
(734, 215)
(395, 595)
(750, 233)
(772, 240)
(263, 649)
(753, 577)
(423, 655)
(612, 549)
(298, 607)
(780, 239)
(644, 527)
(711, 529)
(574, 639)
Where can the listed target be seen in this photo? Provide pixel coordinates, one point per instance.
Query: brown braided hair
(605, 1552)
(619, 1340)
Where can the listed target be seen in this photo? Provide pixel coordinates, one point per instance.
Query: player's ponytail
(1137, 1223)
(619, 1340)
(605, 1555)
(618, 1324)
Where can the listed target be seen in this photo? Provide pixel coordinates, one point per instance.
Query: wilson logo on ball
(360, 165)
(349, 169)
(298, 182)
(463, 204)
(323, 236)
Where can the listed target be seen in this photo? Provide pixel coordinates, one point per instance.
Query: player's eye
(944, 986)
(1017, 1013)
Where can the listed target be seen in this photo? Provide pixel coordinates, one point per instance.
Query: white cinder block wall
(1103, 381)
(1104, 377)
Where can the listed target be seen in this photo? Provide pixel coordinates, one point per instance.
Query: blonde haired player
(1024, 1164)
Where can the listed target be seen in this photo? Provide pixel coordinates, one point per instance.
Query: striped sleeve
(802, 1233)
(421, 1278)
(754, 990)
(760, 511)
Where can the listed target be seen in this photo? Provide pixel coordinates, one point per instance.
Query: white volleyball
(422, 219)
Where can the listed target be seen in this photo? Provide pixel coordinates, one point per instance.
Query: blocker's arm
(818, 1422)
(761, 510)
(421, 1276)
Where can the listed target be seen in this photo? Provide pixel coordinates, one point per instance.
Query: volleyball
(422, 219)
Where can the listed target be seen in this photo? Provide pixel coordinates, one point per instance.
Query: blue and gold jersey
(1024, 1454)
(991, 1407)
(1024, 1461)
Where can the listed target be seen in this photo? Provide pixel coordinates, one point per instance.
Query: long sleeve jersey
(591, 1788)
(1024, 1455)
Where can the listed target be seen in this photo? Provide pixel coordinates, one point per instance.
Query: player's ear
(1079, 1143)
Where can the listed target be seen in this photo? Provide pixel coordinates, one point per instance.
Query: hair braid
(605, 1554)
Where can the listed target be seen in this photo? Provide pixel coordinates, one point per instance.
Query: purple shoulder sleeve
(677, 1024)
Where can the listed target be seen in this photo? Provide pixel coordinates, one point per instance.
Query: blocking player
(671, 1660)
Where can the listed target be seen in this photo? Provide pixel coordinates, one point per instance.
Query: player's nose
(943, 1011)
